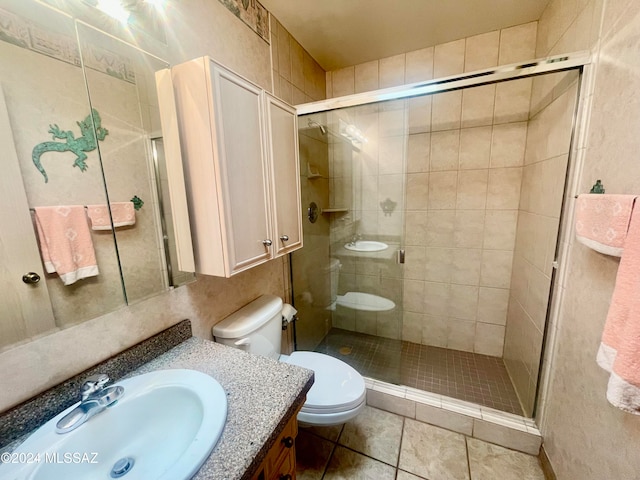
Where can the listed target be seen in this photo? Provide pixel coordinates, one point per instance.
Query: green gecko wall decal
(86, 143)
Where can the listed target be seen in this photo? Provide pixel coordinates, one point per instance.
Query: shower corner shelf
(334, 210)
(313, 172)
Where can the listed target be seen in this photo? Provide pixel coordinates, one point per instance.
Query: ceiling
(340, 33)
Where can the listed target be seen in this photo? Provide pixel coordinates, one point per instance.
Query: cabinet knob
(267, 242)
(286, 477)
(288, 442)
(31, 278)
(284, 238)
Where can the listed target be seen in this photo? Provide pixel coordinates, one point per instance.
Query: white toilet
(338, 393)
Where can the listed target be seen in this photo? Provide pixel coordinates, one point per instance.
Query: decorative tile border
(29, 415)
(252, 13)
(34, 37)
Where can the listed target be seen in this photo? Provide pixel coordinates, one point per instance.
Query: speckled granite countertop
(262, 395)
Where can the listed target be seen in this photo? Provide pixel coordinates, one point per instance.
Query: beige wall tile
(477, 106)
(489, 339)
(440, 228)
(391, 159)
(314, 78)
(446, 111)
(507, 437)
(463, 302)
(391, 403)
(438, 263)
(468, 228)
(518, 44)
(415, 259)
(417, 191)
(366, 76)
(442, 190)
(415, 228)
(297, 64)
(512, 101)
(445, 147)
(419, 114)
(496, 268)
(284, 53)
(508, 145)
(286, 90)
(461, 334)
(343, 82)
(444, 418)
(472, 189)
(366, 322)
(436, 298)
(475, 147)
(391, 119)
(412, 324)
(504, 188)
(435, 330)
(418, 152)
(419, 65)
(448, 59)
(413, 296)
(466, 266)
(297, 96)
(492, 305)
(391, 71)
(500, 229)
(482, 51)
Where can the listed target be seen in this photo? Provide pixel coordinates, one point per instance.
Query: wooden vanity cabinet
(241, 167)
(280, 462)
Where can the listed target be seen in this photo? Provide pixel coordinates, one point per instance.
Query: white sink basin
(366, 246)
(167, 423)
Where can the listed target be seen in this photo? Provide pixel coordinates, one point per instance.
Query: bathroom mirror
(88, 103)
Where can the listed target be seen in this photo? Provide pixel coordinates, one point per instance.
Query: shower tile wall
(463, 153)
(546, 157)
(464, 171)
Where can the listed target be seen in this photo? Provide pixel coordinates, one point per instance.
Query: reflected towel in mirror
(65, 242)
(123, 214)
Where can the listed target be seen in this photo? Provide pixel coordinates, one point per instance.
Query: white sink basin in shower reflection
(366, 246)
(167, 423)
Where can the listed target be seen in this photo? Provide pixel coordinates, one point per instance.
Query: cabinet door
(243, 172)
(282, 136)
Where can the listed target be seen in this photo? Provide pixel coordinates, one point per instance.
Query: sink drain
(122, 467)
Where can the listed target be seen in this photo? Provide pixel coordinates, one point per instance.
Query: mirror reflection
(81, 129)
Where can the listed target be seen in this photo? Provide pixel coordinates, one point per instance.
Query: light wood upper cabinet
(241, 168)
(282, 136)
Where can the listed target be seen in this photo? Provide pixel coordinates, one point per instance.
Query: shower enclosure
(432, 219)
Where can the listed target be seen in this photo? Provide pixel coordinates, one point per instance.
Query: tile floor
(467, 376)
(379, 445)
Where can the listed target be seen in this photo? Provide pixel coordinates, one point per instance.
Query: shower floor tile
(463, 375)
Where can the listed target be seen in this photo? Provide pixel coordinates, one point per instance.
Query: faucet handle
(93, 384)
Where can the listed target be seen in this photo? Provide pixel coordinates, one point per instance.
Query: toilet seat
(338, 393)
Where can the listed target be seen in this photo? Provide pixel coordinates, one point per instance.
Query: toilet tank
(255, 328)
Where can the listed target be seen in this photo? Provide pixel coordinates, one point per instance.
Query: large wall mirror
(79, 127)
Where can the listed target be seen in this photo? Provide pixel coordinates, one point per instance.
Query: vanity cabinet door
(222, 135)
(282, 137)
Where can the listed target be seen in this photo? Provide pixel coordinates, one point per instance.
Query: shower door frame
(553, 64)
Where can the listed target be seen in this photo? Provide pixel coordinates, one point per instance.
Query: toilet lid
(337, 386)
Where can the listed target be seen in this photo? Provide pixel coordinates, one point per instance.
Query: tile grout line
(466, 449)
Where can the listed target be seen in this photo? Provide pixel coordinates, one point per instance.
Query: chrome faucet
(95, 398)
(354, 239)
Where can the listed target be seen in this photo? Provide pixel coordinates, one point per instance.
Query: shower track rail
(553, 64)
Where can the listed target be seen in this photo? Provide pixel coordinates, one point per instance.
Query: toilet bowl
(338, 393)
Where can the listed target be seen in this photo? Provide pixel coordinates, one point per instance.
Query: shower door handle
(401, 255)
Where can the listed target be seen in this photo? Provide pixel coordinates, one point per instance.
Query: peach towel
(123, 214)
(619, 351)
(65, 242)
(602, 221)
